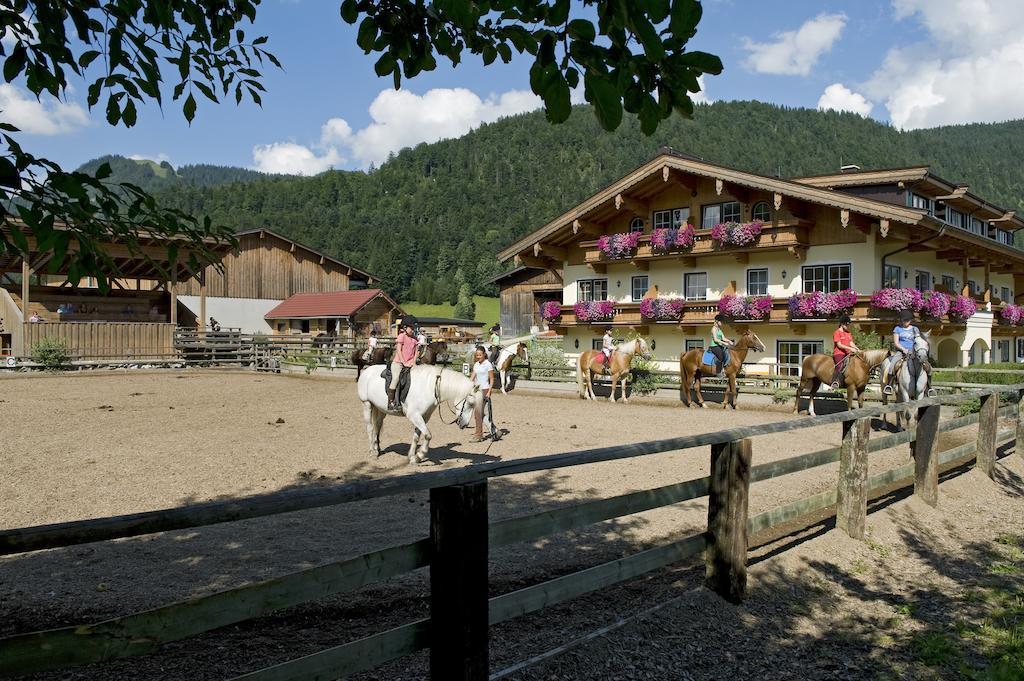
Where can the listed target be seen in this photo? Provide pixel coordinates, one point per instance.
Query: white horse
(504, 364)
(429, 387)
(912, 380)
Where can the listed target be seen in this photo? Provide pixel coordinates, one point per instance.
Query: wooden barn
(523, 291)
(339, 314)
(266, 269)
(447, 328)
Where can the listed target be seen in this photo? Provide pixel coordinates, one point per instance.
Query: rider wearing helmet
(903, 335)
(718, 340)
(842, 349)
(494, 343)
(404, 357)
(607, 348)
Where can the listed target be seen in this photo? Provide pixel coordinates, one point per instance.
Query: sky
(912, 63)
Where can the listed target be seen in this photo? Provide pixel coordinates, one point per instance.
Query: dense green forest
(156, 177)
(432, 217)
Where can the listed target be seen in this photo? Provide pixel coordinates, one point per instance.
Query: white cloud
(794, 53)
(969, 70)
(48, 116)
(159, 158)
(702, 96)
(841, 98)
(399, 119)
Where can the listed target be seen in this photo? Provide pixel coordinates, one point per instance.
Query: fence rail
(460, 536)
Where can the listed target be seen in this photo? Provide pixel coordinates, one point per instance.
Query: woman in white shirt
(483, 376)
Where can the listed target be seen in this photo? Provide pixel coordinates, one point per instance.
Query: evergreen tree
(465, 308)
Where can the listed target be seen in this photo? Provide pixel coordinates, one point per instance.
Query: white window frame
(768, 209)
(928, 280)
(886, 281)
(721, 213)
(921, 202)
(1006, 294)
(582, 297)
(972, 287)
(686, 285)
(949, 282)
(827, 274)
(670, 218)
(637, 224)
(693, 344)
(766, 280)
(632, 287)
(794, 369)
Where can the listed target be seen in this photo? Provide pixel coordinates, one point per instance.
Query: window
(923, 281)
(757, 282)
(791, 355)
(892, 276)
(978, 227)
(639, 287)
(1004, 350)
(972, 287)
(1005, 295)
(1020, 347)
(636, 225)
(695, 286)
(949, 283)
(720, 212)
(675, 217)
(593, 289)
(921, 202)
(305, 326)
(1004, 237)
(826, 278)
(697, 343)
(596, 343)
(761, 212)
(956, 218)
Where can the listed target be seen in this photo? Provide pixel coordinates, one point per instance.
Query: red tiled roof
(335, 304)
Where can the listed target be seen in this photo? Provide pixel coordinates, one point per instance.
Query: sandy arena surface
(91, 445)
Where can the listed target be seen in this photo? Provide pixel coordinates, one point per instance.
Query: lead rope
(437, 398)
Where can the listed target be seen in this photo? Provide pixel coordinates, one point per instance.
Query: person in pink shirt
(405, 356)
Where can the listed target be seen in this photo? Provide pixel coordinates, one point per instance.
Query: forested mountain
(436, 210)
(155, 177)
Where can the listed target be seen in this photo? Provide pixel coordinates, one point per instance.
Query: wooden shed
(523, 291)
(343, 314)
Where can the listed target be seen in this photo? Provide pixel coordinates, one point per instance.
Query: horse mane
(453, 385)
(873, 356)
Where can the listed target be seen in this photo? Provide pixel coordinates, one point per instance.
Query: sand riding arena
(101, 444)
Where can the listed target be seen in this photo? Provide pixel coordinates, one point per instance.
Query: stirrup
(835, 385)
(887, 390)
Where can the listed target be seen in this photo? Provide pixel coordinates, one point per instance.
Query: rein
(439, 401)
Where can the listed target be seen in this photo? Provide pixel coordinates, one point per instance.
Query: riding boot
(886, 387)
(392, 406)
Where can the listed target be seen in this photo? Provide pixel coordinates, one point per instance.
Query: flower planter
(596, 311)
(673, 240)
(745, 308)
(551, 311)
(816, 306)
(618, 246)
(726, 234)
(662, 309)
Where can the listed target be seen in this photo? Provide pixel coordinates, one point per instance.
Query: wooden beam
(688, 261)
(26, 274)
(719, 186)
(883, 228)
(741, 194)
(599, 268)
(987, 428)
(852, 493)
(777, 200)
(202, 299)
(957, 193)
(726, 556)
(587, 228)
(458, 583)
(798, 252)
(556, 274)
(531, 261)
(560, 253)
(675, 177)
(174, 304)
(1007, 216)
(953, 254)
(641, 264)
(634, 206)
(926, 459)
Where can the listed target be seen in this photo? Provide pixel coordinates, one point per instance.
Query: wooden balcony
(700, 313)
(781, 238)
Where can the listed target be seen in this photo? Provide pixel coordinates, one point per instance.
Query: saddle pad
(403, 382)
(709, 358)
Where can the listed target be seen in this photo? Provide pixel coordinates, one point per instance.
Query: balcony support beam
(587, 228)
(634, 206)
(559, 253)
(675, 177)
(641, 264)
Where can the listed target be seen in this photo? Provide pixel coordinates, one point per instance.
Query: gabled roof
(371, 278)
(449, 320)
(650, 173)
(334, 304)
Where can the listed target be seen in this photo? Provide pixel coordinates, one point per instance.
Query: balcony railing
(776, 238)
(702, 312)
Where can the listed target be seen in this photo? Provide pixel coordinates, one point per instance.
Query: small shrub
(52, 353)
(782, 395)
(644, 381)
(970, 407)
(547, 359)
(867, 340)
(311, 364)
(934, 649)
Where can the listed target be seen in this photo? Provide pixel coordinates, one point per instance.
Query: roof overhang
(371, 278)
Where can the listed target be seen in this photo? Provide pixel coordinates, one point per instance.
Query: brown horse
(592, 362)
(434, 353)
(692, 369)
(503, 367)
(819, 368)
(379, 356)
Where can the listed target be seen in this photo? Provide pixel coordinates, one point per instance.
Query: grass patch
(1000, 637)
(934, 649)
(486, 310)
(906, 609)
(882, 551)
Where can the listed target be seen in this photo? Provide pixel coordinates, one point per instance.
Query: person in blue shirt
(903, 335)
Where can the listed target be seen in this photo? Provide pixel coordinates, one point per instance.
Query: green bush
(866, 340)
(548, 355)
(782, 395)
(52, 353)
(969, 407)
(644, 381)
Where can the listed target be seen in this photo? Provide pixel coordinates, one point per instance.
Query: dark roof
(282, 237)
(511, 274)
(334, 304)
(449, 320)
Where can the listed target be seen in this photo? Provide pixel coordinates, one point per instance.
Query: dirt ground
(91, 445)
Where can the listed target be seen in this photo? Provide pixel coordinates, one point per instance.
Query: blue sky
(916, 63)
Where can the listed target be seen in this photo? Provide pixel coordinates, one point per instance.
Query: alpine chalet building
(664, 249)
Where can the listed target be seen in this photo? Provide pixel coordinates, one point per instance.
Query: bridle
(456, 410)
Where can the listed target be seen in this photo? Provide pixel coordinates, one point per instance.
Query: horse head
(642, 348)
(523, 352)
(922, 346)
(751, 341)
(440, 349)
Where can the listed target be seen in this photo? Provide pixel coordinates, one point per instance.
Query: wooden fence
(461, 535)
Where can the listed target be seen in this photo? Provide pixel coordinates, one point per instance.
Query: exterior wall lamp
(576, 343)
(783, 275)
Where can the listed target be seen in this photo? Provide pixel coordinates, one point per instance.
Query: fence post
(726, 555)
(926, 462)
(852, 504)
(987, 425)
(1018, 444)
(458, 583)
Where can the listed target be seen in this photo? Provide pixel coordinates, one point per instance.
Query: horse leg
(590, 385)
(420, 455)
(615, 379)
(804, 384)
(503, 376)
(371, 431)
(696, 387)
(815, 384)
(625, 377)
(730, 393)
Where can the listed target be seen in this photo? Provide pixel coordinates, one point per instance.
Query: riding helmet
(845, 319)
(719, 317)
(906, 315)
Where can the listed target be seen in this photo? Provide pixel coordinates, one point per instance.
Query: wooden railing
(461, 535)
(782, 237)
(100, 340)
(10, 313)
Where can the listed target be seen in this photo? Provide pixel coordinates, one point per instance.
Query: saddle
(708, 359)
(597, 364)
(403, 383)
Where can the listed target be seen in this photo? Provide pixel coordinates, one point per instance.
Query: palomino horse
(378, 356)
(692, 369)
(819, 368)
(429, 387)
(912, 379)
(504, 365)
(592, 362)
(434, 353)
